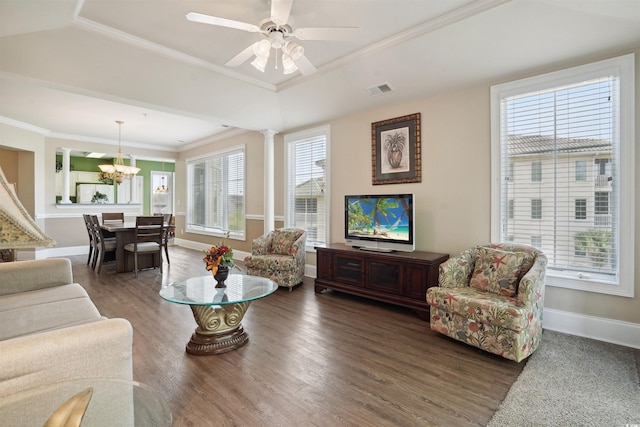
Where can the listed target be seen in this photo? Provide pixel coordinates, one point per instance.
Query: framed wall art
(395, 150)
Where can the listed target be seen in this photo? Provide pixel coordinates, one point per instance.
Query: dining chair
(168, 234)
(112, 216)
(103, 245)
(149, 233)
(92, 244)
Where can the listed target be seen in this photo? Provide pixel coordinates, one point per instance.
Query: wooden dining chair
(168, 234)
(104, 245)
(92, 243)
(112, 216)
(149, 233)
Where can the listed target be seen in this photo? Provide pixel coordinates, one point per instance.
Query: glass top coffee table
(218, 311)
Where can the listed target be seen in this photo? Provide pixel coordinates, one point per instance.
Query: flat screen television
(382, 222)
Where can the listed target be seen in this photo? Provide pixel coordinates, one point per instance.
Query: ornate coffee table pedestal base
(218, 310)
(219, 329)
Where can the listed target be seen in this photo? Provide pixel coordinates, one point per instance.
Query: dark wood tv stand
(400, 278)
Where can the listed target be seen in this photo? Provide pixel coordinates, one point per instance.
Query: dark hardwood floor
(311, 360)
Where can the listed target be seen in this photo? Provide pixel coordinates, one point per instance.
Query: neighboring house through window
(546, 131)
(307, 197)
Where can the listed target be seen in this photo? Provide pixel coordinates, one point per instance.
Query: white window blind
(306, 182)
(560, 173)
(216, 194)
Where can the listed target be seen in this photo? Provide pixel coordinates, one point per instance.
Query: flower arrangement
(218, 256)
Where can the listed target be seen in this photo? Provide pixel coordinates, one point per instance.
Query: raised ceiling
(70, 68)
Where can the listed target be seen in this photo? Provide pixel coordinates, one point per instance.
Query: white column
(269, 187)
(133, 194)
(66, 167)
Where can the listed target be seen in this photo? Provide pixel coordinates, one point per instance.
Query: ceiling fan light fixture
(260, 63)
(262, 48)
(294, 50)
(288, 64)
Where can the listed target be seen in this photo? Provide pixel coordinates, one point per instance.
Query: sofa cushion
(283, 240)
(481, 306)
(45, 309)
(497, 271)
(271, 262)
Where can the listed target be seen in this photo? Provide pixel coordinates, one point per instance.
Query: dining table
(125, 232)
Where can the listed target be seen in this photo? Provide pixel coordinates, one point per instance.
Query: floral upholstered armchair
(491, 297)
(279, 255)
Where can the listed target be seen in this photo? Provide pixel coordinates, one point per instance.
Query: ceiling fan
(277, 32)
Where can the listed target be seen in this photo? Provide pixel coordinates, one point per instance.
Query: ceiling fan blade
(222, 22)
(280, 11)
(241, 57)
(305, 66)
(327, 33)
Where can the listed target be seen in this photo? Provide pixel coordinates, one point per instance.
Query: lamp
(162, 188)
(119, 170)
(17, 229)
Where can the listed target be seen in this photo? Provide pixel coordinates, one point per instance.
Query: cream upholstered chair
(279, 255)
(491, 297)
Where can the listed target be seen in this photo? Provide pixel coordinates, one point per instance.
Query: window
(215, 194)
(536, 171)
(580, 209)
(563, 121)
(536, 241)
(536, 208)
(581, 170)
(306, 206)
(307, 189)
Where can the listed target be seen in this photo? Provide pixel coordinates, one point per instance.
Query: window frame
(580, 209)
(536, 171)
(624, 67)
(297, 137)
(581, 171)
(189, 162)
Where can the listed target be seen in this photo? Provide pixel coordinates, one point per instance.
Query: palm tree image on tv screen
(380, 218)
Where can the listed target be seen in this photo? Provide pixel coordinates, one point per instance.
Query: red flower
(216, 256)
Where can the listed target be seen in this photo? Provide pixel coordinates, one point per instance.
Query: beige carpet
(574, 381)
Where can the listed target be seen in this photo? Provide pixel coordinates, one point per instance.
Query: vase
(221, 275)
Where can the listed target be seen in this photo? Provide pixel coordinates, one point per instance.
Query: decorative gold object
(72, 411)
(219, 328)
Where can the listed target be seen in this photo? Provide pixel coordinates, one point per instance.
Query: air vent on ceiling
(381, 88)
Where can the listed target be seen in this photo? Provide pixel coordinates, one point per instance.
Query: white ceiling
(70, 68)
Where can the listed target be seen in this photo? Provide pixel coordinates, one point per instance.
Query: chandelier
(118, 170)
(162, 188)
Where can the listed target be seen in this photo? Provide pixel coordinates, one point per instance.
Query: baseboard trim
(61, 252)
(597, 328)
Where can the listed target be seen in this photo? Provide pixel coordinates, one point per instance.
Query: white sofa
(51, 331)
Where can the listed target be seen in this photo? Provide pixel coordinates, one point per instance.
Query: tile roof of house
(540, 144)
(312, 187)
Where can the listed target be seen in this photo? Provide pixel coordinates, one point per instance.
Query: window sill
(558, 280)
